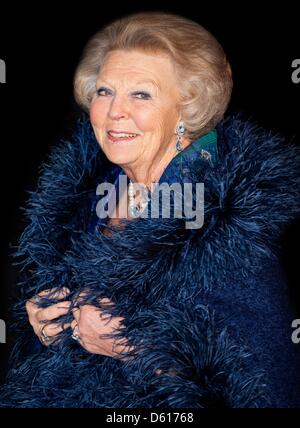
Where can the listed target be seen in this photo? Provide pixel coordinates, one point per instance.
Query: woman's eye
(144, 95)
(101, 90)
(140, 94)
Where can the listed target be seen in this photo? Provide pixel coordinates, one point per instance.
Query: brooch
(205, 155)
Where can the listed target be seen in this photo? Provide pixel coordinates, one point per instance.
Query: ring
(44, 338)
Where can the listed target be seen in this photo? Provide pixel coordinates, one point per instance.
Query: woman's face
(137, 93)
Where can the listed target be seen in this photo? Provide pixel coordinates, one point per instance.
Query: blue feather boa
(193, 299)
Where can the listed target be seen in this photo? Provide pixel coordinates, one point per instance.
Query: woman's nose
(118, 108)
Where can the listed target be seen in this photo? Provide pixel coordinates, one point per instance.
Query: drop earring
(179, 133)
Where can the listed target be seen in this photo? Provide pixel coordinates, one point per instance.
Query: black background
(41, 46)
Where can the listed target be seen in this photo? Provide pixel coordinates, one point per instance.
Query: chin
(120, 157)
(120, 153)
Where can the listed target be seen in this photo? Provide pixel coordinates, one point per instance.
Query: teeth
(122, 135)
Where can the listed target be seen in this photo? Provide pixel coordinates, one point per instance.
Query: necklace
(135, 208)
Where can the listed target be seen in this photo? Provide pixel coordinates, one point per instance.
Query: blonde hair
(203, 72)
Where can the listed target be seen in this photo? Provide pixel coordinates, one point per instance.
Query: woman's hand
(89, 323)
(38, 317)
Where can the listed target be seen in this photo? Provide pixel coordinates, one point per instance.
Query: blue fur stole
(207, 306)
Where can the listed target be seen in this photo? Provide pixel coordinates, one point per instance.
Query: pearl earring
(180, 129)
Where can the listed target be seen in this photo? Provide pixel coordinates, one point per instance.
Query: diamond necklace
(136, 208)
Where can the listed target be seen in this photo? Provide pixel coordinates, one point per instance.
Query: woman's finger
(73, 324)
(76, 314)
(55, 293)
(52, 293)
(106, 301)
(52, 330)
(53, 311)
(79, 300)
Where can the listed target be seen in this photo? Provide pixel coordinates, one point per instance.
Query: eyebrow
(138, 82)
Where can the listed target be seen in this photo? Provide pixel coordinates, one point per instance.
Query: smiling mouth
(121, 139)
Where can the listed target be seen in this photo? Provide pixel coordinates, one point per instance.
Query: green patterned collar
(205, 147)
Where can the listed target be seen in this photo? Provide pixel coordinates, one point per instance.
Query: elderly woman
(123, 305)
